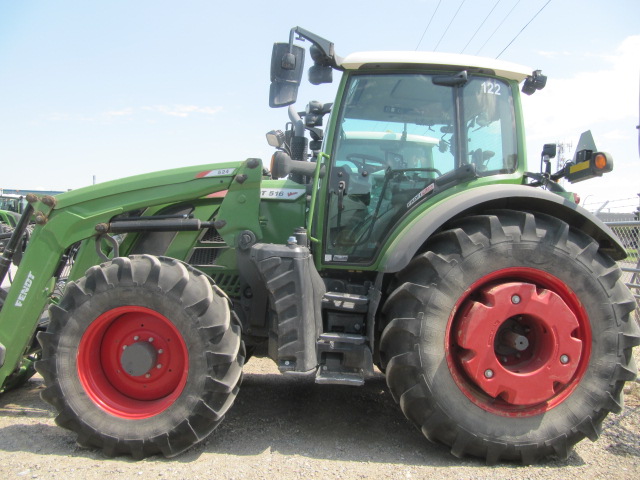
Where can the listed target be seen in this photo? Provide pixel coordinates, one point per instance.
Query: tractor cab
(12, 203)
(405, 137)
(405, 128)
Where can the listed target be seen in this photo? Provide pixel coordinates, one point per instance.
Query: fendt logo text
(25, 290)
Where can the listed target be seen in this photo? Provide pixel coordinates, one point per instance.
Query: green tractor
(12, 202)
(8, 221)
(11, 207)
(408, 235)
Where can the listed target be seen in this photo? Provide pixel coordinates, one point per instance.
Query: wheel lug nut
(515, 299)
(148, 375)
(159, 366)
(136, 338)
(564, 359)
(150, 339)
(160, 351)
(488, 373)
(124, 347)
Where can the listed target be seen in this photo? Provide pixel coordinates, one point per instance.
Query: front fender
(403, 247)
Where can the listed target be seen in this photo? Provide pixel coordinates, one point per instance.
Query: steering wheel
(362, 163)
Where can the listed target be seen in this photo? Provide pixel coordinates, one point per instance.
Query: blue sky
(118, 88)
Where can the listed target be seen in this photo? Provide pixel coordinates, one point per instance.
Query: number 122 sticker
(490, 88)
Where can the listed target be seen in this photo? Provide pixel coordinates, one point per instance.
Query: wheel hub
(139, 358)
(519, 342)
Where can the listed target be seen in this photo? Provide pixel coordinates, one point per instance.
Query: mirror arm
(323, 44)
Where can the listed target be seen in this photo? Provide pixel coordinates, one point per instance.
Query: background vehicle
(8, 220)
(411, 238)
(12, 203)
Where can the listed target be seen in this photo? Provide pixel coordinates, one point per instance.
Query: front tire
(142, 356)
(509, 338)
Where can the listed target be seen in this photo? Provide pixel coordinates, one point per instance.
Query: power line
(476, 32)
(514, 38)
(430, 20)
(447, 29)
(498, 27)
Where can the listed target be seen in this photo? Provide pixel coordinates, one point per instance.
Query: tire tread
(220, 329)
(414, 286)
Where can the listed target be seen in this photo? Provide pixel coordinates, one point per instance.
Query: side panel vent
(211, 236)
(202, 257)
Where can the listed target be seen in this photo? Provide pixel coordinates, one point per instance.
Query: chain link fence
(629, 234)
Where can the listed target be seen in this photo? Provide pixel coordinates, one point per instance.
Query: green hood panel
(207, 174)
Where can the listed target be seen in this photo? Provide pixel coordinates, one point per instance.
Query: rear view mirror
(287, 63)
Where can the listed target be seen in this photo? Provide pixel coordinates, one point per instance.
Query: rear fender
(411, 239)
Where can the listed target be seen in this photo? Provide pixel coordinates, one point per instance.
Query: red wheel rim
(140, 382)
(518, 342)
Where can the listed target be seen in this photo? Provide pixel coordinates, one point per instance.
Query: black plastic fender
(499, 196)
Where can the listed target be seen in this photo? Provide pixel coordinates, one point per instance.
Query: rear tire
(510, 338)
(142, 356)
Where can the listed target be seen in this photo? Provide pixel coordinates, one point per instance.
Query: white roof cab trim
(509, 70)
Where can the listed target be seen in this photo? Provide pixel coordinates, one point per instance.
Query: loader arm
(82, 214)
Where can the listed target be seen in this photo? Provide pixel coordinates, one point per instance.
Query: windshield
(399, 142)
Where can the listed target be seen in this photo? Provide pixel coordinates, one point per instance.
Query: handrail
(315, 185)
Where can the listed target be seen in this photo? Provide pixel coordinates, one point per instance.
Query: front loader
(407, 236)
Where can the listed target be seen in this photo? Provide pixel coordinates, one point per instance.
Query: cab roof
(491, 66)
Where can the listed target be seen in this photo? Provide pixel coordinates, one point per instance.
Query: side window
(488, 113)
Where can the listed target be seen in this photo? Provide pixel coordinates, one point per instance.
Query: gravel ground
(290, 428)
